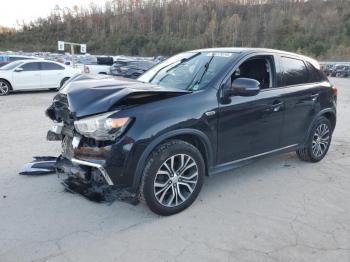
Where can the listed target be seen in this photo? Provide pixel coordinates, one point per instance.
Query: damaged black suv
(195, 114)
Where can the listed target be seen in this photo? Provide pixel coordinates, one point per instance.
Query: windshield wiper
(206, 66)
(175, 66)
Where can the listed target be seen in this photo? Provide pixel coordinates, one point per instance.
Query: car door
(52, 74)
(249, 126)
(301, 98)
(27, 76)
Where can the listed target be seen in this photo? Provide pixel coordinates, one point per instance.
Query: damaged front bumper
(88, 166)
(95, 165)
(83, 167)
(91, 180)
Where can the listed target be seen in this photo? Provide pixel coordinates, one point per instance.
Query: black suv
(197, 113)
(343, 71)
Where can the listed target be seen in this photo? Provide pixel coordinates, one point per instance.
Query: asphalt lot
(276, 209)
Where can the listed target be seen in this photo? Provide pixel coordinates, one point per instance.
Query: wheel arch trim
(319, 114)
(8, 81)
(172, 134)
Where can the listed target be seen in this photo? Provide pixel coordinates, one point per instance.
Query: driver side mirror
(19, 69)
(243, 87)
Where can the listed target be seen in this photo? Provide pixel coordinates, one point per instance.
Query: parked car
(101, 66)
(335, 69)
(131, 68)
(343, 71)
(327, 69)
(197, 113)
(6, 59)
(33, 74)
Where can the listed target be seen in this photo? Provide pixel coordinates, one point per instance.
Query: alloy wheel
(4, 88)
(175, 180)
(320, 140)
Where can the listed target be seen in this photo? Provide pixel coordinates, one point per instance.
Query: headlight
(102, 127)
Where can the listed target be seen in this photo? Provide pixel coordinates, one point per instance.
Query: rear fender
(319, 114)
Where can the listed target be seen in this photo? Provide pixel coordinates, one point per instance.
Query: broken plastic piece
(98, 194)
(41, 165)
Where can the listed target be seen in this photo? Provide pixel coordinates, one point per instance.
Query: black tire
(64, 80)
(5, 87)
(162, 154)
(307, 153)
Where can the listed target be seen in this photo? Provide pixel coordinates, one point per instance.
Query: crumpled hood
(93, 94)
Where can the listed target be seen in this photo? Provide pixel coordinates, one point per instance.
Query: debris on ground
(41, 165)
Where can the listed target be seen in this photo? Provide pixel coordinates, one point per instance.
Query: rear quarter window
(295, 71)
(315, 75)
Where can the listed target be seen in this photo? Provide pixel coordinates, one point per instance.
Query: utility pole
(61, 46)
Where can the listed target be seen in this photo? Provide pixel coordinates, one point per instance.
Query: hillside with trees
(320, 28)
(4, 29)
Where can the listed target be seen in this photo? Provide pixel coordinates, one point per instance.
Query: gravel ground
(276, 209)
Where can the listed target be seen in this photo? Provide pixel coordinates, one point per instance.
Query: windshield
(11, 65)
(190, 71)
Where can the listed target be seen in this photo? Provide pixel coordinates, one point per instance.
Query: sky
(19, 10)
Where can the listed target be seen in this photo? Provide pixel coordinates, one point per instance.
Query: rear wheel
(173, 177)
(5, 87)
(318, 143)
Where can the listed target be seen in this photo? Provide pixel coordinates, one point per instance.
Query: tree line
(163, 27)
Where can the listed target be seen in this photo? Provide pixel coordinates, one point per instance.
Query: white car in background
(34, 75)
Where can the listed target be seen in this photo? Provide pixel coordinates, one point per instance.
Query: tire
(5, 87)
(64, 80)
(320, 135)
(166, 192)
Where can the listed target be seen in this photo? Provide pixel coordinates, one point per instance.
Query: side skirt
(244, 161)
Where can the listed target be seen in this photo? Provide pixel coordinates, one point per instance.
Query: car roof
(249, 50)
(25, 56)
(243, 50)
(38, 60)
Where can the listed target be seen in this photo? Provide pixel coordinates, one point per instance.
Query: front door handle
(277, 105)
(314, 97)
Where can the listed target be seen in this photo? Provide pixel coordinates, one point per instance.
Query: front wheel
(4, 88)
(63, 81)
(173, 177)
(318, 143)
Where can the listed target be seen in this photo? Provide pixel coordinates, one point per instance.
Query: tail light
(86, 69)
(334, 90)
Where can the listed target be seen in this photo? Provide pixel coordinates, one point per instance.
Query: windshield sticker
(220, 54)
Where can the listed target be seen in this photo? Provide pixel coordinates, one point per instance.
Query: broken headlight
(102, 127)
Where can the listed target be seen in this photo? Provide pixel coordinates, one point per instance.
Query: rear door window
(51, 66)
(294, 71)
